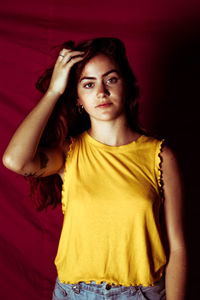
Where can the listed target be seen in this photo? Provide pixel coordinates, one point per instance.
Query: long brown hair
(66, 121)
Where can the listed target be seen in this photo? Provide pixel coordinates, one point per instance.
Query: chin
(107, 117)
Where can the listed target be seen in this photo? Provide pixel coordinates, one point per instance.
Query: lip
(104, 104)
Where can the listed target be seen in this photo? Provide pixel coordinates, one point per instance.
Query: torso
(60, 172)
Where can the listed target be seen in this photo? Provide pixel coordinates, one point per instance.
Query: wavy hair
(66, 121)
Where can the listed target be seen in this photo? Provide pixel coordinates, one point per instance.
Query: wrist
(51, 96)
(54, 94)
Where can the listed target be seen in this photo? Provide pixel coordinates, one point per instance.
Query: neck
(112, 133)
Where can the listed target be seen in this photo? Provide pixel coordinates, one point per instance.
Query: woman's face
(101, 89)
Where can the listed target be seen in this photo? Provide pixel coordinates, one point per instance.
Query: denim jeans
(93, 291)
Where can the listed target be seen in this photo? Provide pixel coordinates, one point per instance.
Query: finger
(66, 55)
(75, 60)
(60, 57)
(72, 53)
(64, 51)
(69, 52)
(71, 56)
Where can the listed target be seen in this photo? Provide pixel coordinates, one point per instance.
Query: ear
(78, 102)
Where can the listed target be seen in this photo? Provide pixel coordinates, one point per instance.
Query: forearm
(23, 145)
(176, 275)
(25, 140)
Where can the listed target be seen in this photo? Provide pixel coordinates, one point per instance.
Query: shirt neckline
(99, 144)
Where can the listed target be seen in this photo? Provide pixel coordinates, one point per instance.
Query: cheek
(78, 91)
(85, 100)
(118, 91)
(81, 95)
(86, 95)
(122, 91)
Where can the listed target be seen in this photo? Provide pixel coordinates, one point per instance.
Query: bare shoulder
(173, 199)
(170, 164)
(168, 153)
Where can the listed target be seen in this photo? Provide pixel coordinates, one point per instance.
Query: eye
(112, 80)
(88, 85)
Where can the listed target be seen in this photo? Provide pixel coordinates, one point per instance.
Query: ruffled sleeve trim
(158, 168)
(69, 153)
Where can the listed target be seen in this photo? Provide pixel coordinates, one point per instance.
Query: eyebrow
(93, 78)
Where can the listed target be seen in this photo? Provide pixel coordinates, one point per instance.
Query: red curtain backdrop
(163, 46)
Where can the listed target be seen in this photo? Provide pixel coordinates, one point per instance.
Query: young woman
(122, 235)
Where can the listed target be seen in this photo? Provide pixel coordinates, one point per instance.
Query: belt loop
(76, 288)
(134, 289)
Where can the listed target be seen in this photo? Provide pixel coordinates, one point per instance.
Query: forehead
(99, 65)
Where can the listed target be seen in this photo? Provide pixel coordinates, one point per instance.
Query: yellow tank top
(111, 201)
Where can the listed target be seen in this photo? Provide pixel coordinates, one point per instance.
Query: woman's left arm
(176, 269)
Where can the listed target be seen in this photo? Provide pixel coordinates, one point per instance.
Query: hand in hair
(64, 63)
(23, 155)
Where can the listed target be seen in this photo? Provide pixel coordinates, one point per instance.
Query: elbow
(11, 164)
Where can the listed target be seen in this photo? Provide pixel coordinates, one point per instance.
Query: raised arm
(23, 155)
(176, 269)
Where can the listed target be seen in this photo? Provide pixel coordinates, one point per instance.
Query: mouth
(103, 105)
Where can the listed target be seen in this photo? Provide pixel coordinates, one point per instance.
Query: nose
(102, 90)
